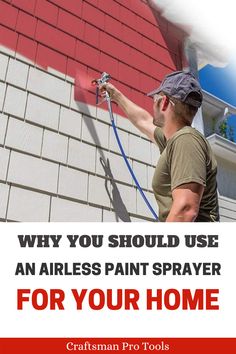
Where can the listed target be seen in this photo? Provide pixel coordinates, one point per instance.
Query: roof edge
(223, 148)
(210, 98)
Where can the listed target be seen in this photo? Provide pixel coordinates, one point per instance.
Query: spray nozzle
(102, 80)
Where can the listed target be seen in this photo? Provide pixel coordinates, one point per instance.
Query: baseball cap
(183, 86)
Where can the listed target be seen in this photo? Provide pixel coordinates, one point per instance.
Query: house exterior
(58, 155)
(214, 111)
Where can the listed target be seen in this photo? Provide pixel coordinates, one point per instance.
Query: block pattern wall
(58, 156)
(59, 159)
(52, 155)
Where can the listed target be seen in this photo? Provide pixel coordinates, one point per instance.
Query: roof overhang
(215, 107)
(223, 148)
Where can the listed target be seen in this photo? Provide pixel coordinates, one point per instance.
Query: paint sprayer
(103, 79)
(98, 82)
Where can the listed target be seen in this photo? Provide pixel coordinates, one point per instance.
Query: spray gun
(103, 79)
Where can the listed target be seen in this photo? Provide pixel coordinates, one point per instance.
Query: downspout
(191, 56)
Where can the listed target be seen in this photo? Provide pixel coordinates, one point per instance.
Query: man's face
(158, 117)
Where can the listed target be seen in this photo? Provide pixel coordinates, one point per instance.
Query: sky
(221, 82)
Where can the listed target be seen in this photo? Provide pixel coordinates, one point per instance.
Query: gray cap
(183, 86)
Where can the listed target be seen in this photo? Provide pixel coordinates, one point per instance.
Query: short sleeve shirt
(186, 157)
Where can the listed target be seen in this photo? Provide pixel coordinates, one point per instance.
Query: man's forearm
(140, 118)
(133, 112)
(186, 202)
(136, 115)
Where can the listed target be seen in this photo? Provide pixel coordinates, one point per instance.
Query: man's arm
(136, 115)
(186, 202)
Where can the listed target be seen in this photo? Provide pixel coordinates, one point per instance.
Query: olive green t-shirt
(186, 157)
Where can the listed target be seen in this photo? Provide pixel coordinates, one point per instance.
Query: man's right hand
(113, 92)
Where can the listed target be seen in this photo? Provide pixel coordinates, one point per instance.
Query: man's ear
(164, 103)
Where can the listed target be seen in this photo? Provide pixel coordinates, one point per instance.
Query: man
(184, 181)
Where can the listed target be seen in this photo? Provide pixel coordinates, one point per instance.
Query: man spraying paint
(184, 181)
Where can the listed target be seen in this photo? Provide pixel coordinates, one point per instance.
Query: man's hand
(113, 92)
(186, 202)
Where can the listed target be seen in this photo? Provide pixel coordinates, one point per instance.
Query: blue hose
(126, 160)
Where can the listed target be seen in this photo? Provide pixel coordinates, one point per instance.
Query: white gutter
(216, 110)
(223, 148)
(218, 103)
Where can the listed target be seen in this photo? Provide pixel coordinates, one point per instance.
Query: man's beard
(158, 120)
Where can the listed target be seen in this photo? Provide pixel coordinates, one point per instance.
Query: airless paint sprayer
(103, 79)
